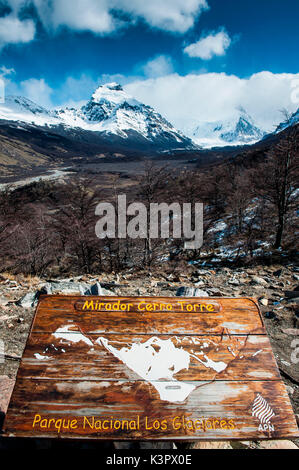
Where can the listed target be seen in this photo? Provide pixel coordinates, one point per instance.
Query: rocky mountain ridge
(111, 115)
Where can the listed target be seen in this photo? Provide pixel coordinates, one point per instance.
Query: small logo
(263, 411)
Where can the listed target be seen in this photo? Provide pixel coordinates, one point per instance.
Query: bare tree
(75, 222)
(152, 184)
(276, 179)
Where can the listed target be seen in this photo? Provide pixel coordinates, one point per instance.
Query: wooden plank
(212, 410)
(233, 316)
(162, 360)
(86, 357)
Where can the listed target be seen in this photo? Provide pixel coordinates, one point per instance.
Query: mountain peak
(107, 102)
(240, 129)
(112, 92)
(243, 131)
(113, 86)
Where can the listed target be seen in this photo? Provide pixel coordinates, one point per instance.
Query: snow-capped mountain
(18, 108)
(238, 130)
(110, 114)
(112, 111)
(294, 119)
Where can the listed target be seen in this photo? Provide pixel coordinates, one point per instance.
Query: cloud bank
(191, 99)
(186, 101)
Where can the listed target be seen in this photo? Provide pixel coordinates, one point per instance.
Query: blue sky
(57, 52)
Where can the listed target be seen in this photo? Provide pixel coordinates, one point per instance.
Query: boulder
(291, 331)
(66, 287)
(77, 288)
(97, 289)
(62, 287)
(191, 292)
(258, 280)
(28, 300)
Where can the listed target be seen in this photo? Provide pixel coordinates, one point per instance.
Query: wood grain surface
(235, 316)
(247, 357)
(130, 369)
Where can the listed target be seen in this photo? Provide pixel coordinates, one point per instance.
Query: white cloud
(5, 71)
(79, 15)
(215, 44)
(35, 89)
(158, 67)
(170, 15)
(103, 16)
(14, 31)
(187, 100)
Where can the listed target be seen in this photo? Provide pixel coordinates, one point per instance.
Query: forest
(47, 228)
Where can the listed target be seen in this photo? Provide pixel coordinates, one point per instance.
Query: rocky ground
(275, 287)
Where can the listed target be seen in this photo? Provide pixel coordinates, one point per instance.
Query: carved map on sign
(155, 360)
(149, 368)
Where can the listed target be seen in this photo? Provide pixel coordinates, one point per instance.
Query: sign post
(149, 368)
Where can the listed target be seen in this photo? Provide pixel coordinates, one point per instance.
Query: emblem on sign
(263, 411)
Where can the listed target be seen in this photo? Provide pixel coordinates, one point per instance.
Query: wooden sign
(149, 368)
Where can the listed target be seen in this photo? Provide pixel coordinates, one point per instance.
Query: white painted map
(156, 360)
